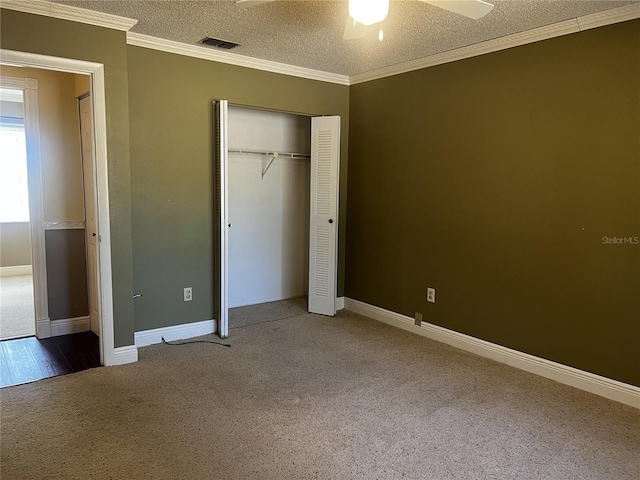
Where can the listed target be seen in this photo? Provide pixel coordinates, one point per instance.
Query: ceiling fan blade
(251, 3)
(474, 9)
(353, 30)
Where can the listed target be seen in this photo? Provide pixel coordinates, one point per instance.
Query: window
(14, 190)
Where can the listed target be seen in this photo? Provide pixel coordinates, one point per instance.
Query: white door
(221, 255)
(91, 224)
(323, 218)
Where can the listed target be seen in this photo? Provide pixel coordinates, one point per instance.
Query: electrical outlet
(418, 318)
(431, 295)
(188, 294)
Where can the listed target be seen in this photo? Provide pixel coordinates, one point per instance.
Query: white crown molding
(66, 12)
(603, 386)
(207, 53)
(502, 43)
(609, 17)
(578, 24)
(175, 332)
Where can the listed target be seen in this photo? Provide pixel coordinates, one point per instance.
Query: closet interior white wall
(268, 205)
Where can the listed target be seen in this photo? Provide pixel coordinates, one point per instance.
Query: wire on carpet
(194, 341)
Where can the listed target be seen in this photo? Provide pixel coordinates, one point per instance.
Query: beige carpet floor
(313, 397)
(241, 317)
(17, 317)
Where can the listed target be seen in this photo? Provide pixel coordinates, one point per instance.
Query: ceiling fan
(363, 13)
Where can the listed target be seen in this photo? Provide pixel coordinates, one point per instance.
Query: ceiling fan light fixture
(368, 12)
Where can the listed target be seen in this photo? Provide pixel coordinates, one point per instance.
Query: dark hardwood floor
(25, 360)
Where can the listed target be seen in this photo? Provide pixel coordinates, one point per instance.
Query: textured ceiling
(309, 33)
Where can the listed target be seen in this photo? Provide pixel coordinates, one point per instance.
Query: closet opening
(269, 174)
(289, 134)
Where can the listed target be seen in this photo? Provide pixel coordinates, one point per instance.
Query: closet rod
(266, 152)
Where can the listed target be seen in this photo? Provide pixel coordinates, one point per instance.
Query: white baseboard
(16, 270)
(176, 332)
(603, 386)
(68, 326)
(43, 328)
(339, 303)
(124, 355)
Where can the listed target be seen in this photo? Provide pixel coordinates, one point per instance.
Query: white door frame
(221, 162)
(96, 72)
(90, 210)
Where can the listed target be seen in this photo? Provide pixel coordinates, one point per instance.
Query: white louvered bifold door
(323, 231)
(221, 210)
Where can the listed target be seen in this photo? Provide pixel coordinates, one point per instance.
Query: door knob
(331, 220)
(93, 234)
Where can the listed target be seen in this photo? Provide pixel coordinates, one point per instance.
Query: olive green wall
(61, 38)
(494, 179)
(172, 170)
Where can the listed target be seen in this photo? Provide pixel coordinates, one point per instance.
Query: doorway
(55, 133)
(93, 75)
(17, 315)
(269, 175)
(321, 209)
